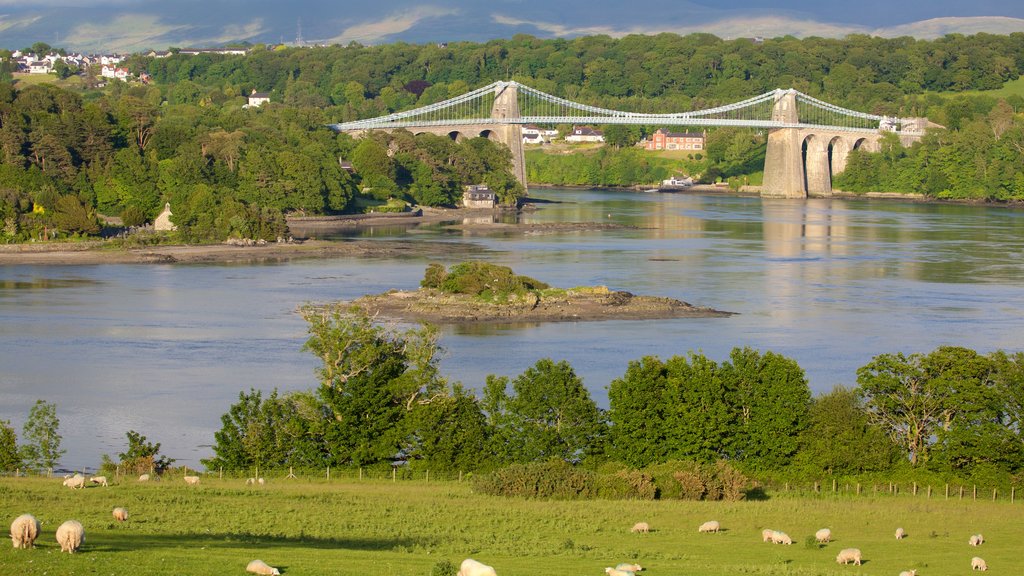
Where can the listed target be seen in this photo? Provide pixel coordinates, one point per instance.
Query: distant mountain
(938, 27)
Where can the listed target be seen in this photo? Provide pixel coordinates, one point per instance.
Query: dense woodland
(69, 155)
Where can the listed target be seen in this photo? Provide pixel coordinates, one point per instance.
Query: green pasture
(379, 527)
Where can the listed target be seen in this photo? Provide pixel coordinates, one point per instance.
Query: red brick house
(664, 140)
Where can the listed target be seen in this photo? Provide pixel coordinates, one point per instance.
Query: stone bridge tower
(506, 105)
(783, 161)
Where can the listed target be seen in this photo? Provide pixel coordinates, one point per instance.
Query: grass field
(23, 80)
(407, 528)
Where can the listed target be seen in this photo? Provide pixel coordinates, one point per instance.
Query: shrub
(476, 278)
(434, 276)
(443, 568)
(626, 485)
(553, 479)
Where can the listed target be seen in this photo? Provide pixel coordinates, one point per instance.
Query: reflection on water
(164, 350)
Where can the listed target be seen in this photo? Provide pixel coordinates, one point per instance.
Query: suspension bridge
(809, 140)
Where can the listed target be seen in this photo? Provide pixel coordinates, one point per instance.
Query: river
(165, 349)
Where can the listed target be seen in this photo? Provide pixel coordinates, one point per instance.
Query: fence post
(817, 487)
(929, 491)
(975, 493)
(858, 488)
(833, 485)
(360, 473)
(947, 490)
(428, 476)
(961, 491)
(994, 492)
(1013, 492)
(460, 481)
(393, 469)
(915, 488)
(328, 473)
(221, 472)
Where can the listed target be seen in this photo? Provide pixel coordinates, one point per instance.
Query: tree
(447, 434)
(700, 410)
(637, 413)
(549, 414)
(10, 459)
(40, 433)
(143, 456)
(371, 377)
(840, 439)
(772, 398)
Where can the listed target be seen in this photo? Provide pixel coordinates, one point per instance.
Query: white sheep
(909, 572)
(641, 527)
(976, 540)
(616, 572)
(261, 567)
(766, 534)
(781, 538)
(70, 536)
(120, 514)
(628, 567)
(260, 481)
(76, 481)
(710, 526)
(250, 481)
(192, 480)
(471, 567)
(978, 564)
(24, 531)
(101, 480)
(823, 536)
(900, 534)
(144, 478)
(847, 555)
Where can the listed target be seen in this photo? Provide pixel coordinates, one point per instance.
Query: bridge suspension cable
(533, 106)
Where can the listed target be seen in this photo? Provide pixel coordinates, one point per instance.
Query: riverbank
(93, 253)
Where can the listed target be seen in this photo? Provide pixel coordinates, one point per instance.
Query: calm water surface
(165, 349)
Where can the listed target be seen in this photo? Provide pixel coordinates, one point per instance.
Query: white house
(115, 73)
(478, 196)
(585, 134)
(39, 67)
(536, 135)
(257, 99)
(110, 60)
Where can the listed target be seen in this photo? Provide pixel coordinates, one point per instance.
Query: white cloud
(7, 22)
(938, 27)
(230, 33)
(774, 26)
(125, 33)
(369, 32)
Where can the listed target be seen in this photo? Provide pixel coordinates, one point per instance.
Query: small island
(480, 292)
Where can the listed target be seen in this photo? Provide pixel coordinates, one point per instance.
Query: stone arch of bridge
(817, 171)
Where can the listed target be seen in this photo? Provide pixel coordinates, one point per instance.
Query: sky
(135, 25)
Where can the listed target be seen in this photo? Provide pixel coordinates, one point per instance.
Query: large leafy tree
(638, 413)
(701, 413)
(448, 433)
(840, 439)
(41, 435)
(547, 414)
(370, 378)
(772, 400)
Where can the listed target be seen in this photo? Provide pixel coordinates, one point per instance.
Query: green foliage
(434, 276)
(41, 437)
(840, 439)
(10, 459)
(555, 479)
(444, 568)
(548, 415)
(482, 278)
(143, 456)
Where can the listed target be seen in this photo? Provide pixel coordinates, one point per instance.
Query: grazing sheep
(260, 481)
(101, 480)
(261, 567)
(641, 527)
(900, 534)
(24, 531)
(909, 572)
(628, 567)
(978, 564)
(471, 567)
(976, 540)
(76, 481)
(250, 481)
(144, 478)
(781, 538)
(70, 536)
(710, 526)
(766, 534)
(192, 480)
(823, 536)
(617, 572)
(120, 514)
(847, 555)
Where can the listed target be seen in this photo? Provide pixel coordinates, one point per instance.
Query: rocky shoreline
(572, 305)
